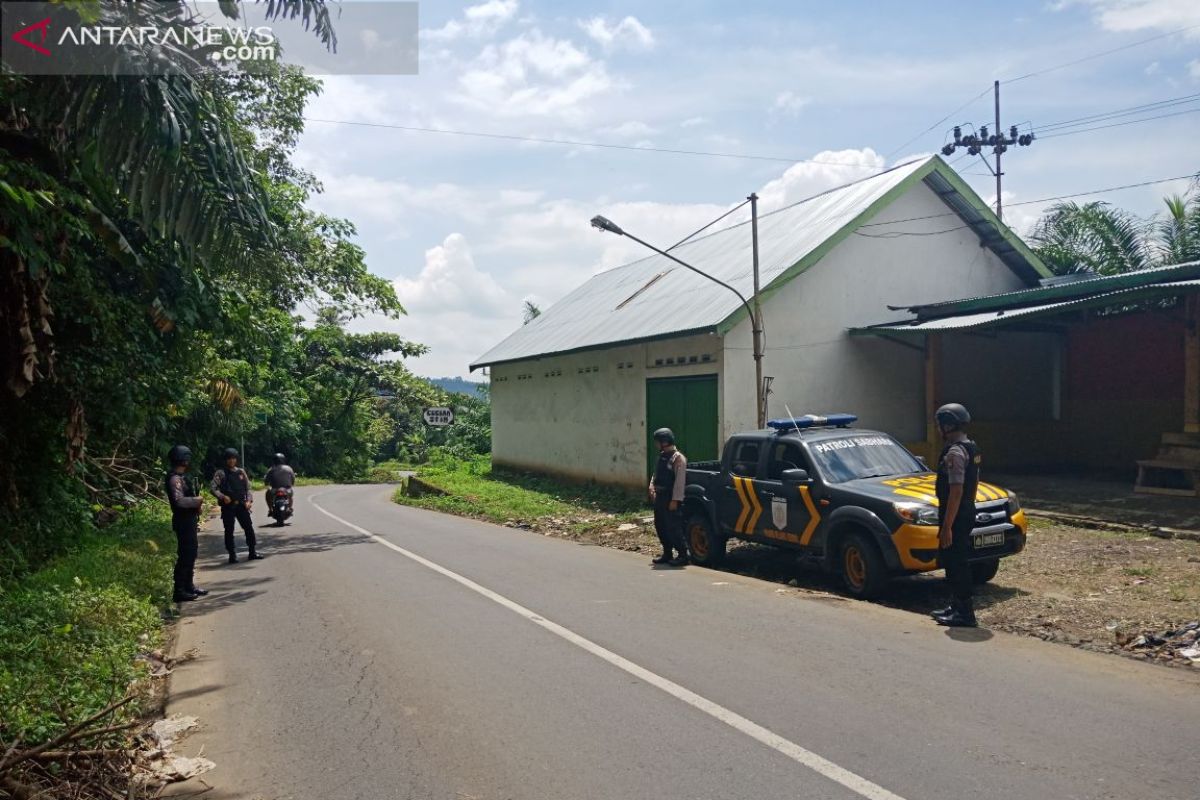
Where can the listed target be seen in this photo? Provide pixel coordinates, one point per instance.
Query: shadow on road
(919, 594)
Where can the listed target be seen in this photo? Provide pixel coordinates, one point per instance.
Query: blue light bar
(813, 421)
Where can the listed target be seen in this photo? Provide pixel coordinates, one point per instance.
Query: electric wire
(574, 143)
(1120, 112)
(1074, 131)
(1094, 56)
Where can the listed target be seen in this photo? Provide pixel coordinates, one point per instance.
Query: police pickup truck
(856, 501)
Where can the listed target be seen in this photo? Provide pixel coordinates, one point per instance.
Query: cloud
(1137, 15)
(632, 129)
(532, 75)
(450, 282)
(629, 34)
(479, 21)
(789, 104)
(804, 180)
(1194, 69)
(692, 122)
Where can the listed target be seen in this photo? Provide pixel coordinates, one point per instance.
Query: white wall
(583, 416)
(817, 367)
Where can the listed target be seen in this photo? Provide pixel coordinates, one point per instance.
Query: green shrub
(70, 633)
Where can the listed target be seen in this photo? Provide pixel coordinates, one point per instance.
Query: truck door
(789, 514)
(737, 508)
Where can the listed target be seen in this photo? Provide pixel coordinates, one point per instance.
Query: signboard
(438, 417)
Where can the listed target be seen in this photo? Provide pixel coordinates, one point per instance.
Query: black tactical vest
(189, 490)
(966, 509)
(233, 484)
(664, 473)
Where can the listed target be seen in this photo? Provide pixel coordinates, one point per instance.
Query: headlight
(917, 513)
(1014, 505)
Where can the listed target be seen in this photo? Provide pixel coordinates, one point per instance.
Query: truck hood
(915, 488)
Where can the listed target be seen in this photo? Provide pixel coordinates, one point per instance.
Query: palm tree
(132, 165)
(1179, 233)
(1098, 237)
(1093, 237)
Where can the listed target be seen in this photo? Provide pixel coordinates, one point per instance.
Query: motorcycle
(281, 506)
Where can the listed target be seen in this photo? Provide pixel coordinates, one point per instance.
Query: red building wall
(1123, 387)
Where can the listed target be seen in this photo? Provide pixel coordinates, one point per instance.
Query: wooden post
(1191, 368)
(933, 391)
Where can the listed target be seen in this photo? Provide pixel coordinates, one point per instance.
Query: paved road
(444, 658)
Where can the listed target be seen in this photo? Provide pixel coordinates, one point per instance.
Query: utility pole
(974, 144)
(999, 149)
(760, 394)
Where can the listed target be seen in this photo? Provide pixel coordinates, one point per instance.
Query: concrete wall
(817, 367)
(583, 416)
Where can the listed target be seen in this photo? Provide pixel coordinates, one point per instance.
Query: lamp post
(755, 311)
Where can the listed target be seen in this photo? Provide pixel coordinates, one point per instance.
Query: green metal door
(687, 406)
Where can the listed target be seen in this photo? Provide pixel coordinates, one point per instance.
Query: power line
(1044, 199)
(573, 143)
(1094, 56)
(1118, 124)
(1121, 112)
(939, 122)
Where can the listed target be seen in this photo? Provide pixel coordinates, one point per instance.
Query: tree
(1100, 238)
(1093, 237)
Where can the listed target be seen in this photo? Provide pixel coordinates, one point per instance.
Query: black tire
(984, 571)
(706, 546)
(861, 566)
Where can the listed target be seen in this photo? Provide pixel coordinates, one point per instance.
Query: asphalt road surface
(383, 652)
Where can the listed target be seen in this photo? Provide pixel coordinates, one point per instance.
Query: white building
(578, 391)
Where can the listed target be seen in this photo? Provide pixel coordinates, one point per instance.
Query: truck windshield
(866, 456)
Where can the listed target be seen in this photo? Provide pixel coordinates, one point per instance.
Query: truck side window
(745, 459)
(784, 456)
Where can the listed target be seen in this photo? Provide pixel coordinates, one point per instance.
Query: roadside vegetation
(1099, 590)
(74, 640)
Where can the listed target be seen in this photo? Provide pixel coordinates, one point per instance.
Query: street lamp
(755, 311)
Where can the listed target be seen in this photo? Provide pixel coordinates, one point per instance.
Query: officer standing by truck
(185, 519)
(957, 479)
(666, 493)
(231, 486)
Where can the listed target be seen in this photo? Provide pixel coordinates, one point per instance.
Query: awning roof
(1026, 313)
(654, 298)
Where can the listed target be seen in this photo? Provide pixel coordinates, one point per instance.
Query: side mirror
(795, 476)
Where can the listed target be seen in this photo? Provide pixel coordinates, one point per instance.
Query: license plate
(989, 540)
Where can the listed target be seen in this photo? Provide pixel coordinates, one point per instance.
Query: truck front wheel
(708, 548)
(862, 567)
(984, 571)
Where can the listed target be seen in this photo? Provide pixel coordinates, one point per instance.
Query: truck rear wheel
(984, 571)
(708, 548)
(861, 565)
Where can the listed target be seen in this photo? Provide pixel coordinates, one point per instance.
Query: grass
(70, 632)
(475, 489)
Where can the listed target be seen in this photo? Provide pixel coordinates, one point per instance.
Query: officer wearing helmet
(231, 486)
(957, 479)
(185, 518)
(666, 494)
(280, 476)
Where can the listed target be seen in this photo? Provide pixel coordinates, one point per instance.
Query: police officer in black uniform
(957, 479)
(185, 503)
(231, 486)
(666, 493)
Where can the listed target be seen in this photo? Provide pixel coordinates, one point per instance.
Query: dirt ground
(1110, 591)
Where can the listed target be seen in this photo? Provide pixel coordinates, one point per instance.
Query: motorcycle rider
(231, 486)
(185, 503)
(279, 476)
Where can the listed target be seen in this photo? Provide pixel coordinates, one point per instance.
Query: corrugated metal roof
(656, 298)
(1062, 291)
(1005, 317)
